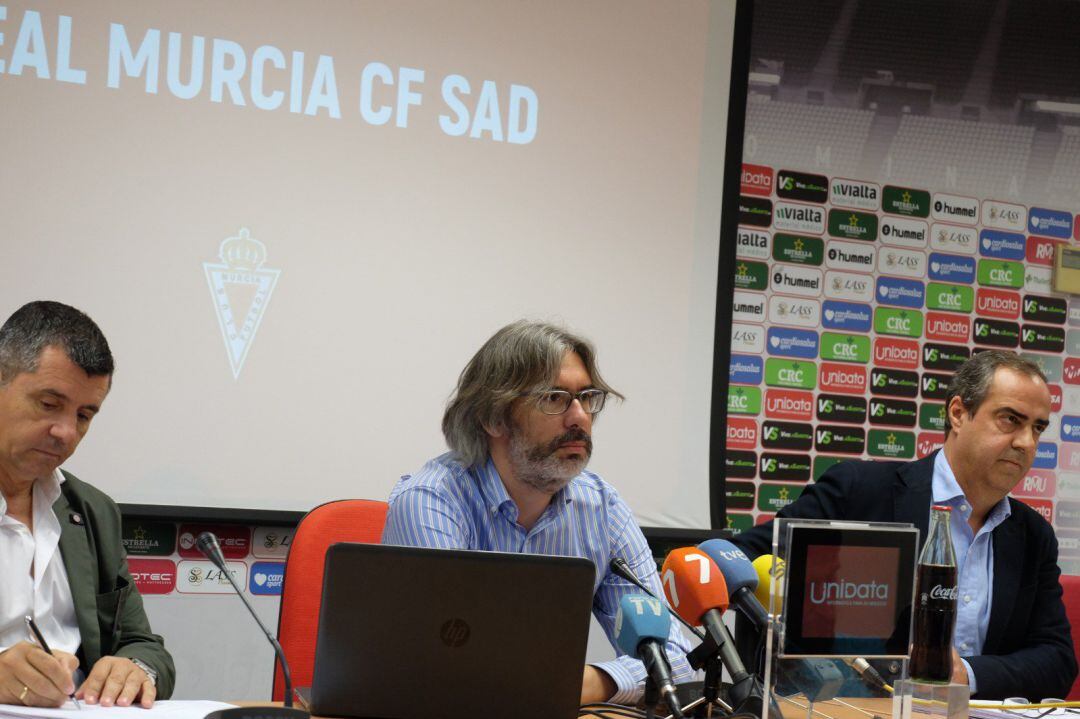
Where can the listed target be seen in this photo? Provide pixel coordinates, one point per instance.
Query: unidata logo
(896, 353)
(802, 186)
(756, 180)
(1001, 304)
(745, 369)
(799, 218)
(794, 311)
(741, 433)
(753, 244)
(848, 286)
(240, 288)
(955, 208)
(903, 232)
(908, 263)
(792, 343)
(847, 316)
(953, 238)
(1046, 456)
(852, 193)
(952, 268)
(1052, 223)
(943, 327)
(804, 281)
(748, 307)
(844, 378)
(901, 293)
(1001, 245)
(1040, 250)
(1004, 215)
(789, 404)
(850, 256)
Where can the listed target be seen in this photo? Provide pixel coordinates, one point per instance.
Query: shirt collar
(46, 491)
(946, 490)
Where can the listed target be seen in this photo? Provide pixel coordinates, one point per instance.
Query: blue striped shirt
(448, 506)
(974, 562)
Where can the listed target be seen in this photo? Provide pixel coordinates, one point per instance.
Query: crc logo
(455, 632)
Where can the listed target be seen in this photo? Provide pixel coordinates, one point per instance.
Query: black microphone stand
(208, 545)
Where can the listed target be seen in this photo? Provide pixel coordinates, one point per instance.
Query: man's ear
(495, 430)
(957, 412)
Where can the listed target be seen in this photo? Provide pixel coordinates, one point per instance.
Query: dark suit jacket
(108, 606)
(1028, 650)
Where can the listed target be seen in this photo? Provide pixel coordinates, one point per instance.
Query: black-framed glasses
(557, 401)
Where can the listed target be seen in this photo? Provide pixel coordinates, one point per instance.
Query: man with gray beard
(519, 427)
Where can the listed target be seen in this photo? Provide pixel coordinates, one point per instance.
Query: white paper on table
(160, 710)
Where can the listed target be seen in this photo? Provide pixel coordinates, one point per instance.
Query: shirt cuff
(971, 675)
(628, 674)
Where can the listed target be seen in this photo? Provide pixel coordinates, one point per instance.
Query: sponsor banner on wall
(271, 542)
(267, 578)
(147, 538)
(202, 577)
(756, 180)
(235, 539)
(153, 576)
(856, 194)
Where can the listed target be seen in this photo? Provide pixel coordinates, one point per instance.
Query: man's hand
(596, 686)
(30, 676)
(116, 680)
(959, 671)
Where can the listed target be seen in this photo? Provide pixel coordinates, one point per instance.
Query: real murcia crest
(240, 288)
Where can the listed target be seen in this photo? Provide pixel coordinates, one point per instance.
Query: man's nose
(1026, 439)
(575, 415)
(65, 431)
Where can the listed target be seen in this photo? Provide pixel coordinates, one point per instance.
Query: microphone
(620, 568)
(642, 625)
(740, 577)
(207, 543)
(769, 570)
(868, 673)
(695, 587)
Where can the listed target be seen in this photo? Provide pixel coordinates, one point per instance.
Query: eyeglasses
(557, 401)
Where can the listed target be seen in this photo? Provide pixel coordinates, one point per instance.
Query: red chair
(1071, 596)
(346, 520)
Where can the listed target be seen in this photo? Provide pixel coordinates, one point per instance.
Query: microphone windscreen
(693, 584)
(640, 617)
(770, 571)
(734, 564)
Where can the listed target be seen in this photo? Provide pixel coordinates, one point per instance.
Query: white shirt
(32, 574)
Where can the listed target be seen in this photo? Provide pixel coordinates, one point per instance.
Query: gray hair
(518, 359)
(972, 380)
(41, 324)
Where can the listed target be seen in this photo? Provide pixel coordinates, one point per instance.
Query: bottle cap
(941, 508)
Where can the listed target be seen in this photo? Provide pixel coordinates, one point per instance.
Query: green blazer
(108, 606)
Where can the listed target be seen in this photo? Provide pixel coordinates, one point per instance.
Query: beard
(540, 467)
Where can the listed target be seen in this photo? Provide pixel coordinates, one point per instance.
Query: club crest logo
(240, 287)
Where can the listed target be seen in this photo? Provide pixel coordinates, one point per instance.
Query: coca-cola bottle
(935, 603)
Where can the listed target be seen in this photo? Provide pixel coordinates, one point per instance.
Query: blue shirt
(448, 506)
(974, 561)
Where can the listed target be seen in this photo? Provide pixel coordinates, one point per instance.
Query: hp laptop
(408, 633)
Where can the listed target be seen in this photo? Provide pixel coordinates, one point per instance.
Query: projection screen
(296, 222)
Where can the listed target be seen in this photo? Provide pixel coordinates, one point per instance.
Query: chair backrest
(1070, 586)
(346, 520)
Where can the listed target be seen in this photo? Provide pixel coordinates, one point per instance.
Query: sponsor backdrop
(864, 278)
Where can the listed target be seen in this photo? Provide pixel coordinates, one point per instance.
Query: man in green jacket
(62, 560)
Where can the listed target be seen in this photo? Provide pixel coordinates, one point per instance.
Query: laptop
(407, 633)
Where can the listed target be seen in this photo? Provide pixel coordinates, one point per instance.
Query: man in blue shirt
(1012, 637)
(519, 427)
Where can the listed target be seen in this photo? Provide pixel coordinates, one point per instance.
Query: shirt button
(963, 508)
(967, 598)
(964, 645)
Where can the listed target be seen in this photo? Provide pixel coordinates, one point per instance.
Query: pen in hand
(45, 646)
